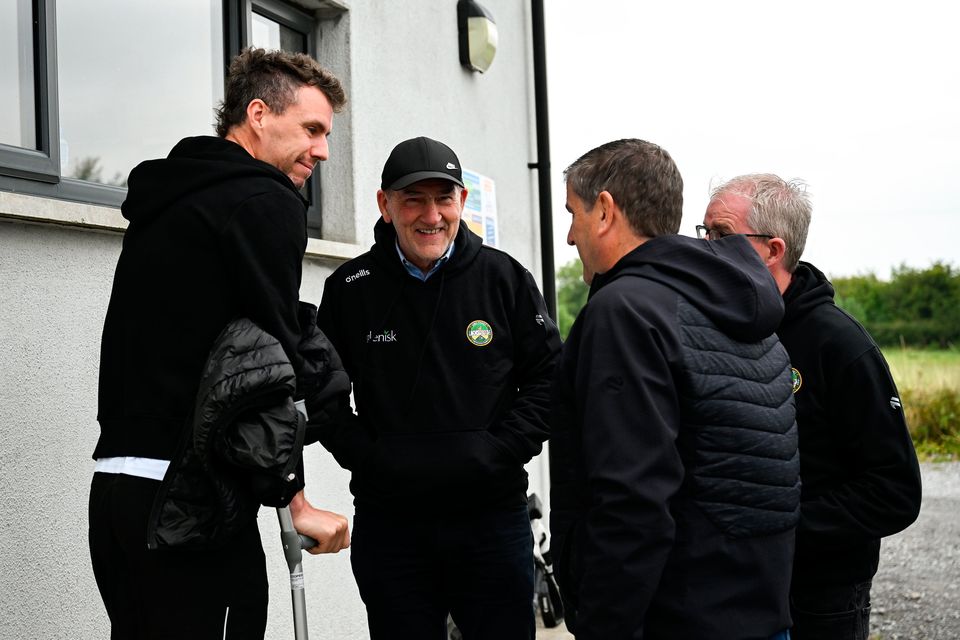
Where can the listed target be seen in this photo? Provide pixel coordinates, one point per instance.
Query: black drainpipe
(542, 165)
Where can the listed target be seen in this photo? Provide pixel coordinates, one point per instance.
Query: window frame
(37, 172)
(41, 164)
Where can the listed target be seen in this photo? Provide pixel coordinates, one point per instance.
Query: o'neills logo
(479, 333)
(796, 379)
(357, 275)
(382, 336)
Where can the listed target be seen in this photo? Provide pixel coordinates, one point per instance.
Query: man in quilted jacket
(675, 488)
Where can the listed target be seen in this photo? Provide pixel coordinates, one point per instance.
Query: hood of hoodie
(466, 247)
(725, 279)
(193, 165)
(808, 289)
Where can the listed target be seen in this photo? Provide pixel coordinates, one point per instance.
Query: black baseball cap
(420, 159)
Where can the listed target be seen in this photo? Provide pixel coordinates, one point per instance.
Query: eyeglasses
(706, 233)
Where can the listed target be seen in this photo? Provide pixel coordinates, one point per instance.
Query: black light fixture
(478, 35)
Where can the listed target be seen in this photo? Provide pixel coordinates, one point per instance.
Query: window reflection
(129, 94)
(18, 126)
(269, 34)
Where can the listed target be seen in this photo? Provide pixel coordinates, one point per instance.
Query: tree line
(915, 308)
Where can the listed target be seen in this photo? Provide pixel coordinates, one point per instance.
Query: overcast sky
(859, 99)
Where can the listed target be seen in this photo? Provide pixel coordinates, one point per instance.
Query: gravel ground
(916, 592)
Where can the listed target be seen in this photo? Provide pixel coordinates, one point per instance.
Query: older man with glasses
(859, 471)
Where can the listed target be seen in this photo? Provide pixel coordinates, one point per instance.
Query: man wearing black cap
(451, 353)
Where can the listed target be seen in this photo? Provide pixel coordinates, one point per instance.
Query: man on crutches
(217, 232)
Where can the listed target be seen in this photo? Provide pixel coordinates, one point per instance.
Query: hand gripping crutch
(293, 543)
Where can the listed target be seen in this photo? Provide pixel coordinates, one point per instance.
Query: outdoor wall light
(478, 35)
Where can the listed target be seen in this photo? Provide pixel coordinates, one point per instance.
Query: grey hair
(779, 207)
(641, 177)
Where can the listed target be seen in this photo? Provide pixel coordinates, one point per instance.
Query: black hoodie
(861, 480)
(214, 235)
(451, 376)
(674, 472)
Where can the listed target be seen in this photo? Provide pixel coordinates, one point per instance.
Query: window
(110, 97)
(270, 34)
(131, 93)
(123, 82)
(27, 149)
(19, 129)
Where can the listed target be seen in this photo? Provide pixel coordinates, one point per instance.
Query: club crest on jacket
(796, 379)
(479, 333)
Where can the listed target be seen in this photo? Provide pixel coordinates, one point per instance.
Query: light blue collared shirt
(415, 271)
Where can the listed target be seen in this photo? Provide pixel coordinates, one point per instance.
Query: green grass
(924, 369)
(929, 383)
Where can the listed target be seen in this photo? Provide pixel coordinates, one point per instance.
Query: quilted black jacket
(245, 436)
(674, 467)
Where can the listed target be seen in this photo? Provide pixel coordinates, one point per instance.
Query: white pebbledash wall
(399, 61)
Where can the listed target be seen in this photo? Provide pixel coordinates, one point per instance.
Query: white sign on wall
(480, 210)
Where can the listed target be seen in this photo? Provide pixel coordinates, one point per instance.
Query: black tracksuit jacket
(214, 235)
(861, 480)
(441, 420)
(674, 468)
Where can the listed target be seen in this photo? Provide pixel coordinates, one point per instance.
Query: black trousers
(831, 613)
(171, 593)
(413, 570)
